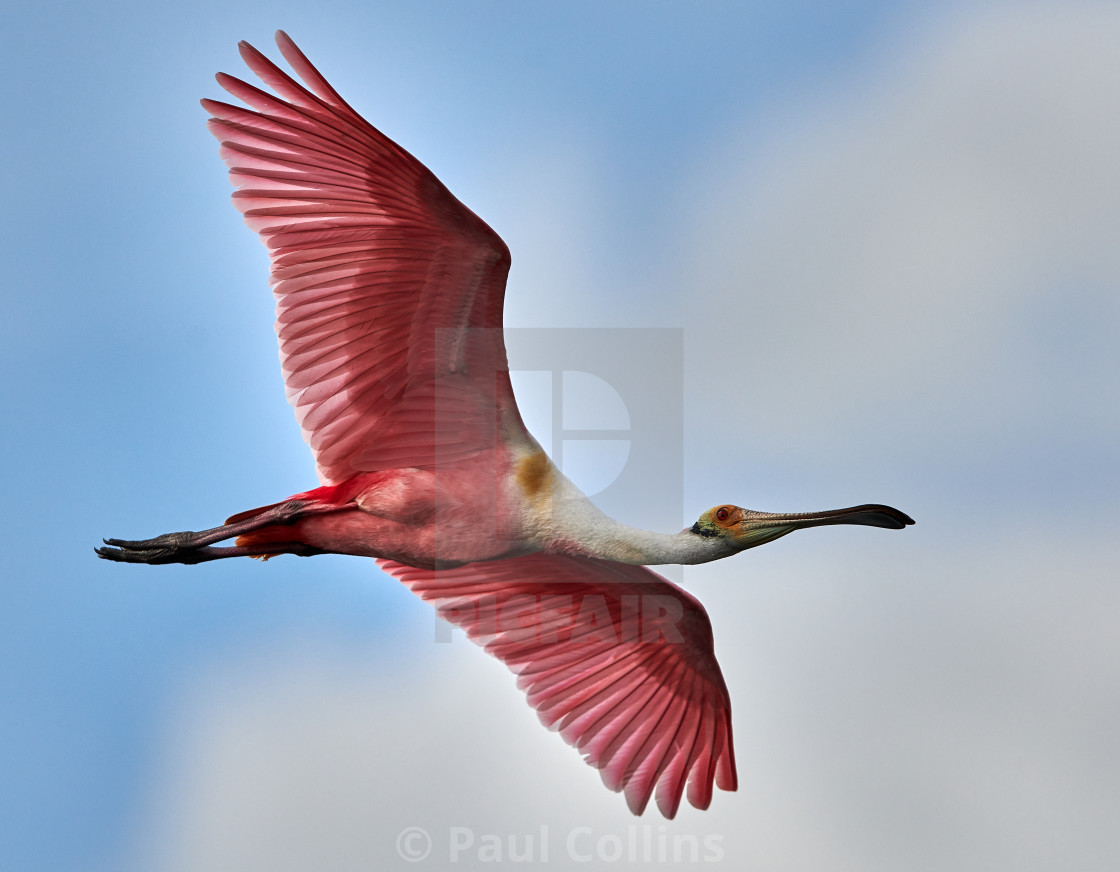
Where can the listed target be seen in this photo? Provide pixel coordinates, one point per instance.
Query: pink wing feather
(389, 290)
(616, 658)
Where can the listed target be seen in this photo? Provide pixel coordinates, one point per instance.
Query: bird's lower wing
(616, 658)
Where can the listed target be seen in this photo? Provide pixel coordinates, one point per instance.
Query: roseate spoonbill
(389, 312)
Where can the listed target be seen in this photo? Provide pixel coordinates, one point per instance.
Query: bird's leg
(192, 547)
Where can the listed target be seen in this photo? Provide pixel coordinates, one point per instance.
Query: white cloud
(911, 243)
(320, 755)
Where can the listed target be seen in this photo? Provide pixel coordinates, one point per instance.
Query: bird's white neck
(646, 548)
(558, 517)
(579, 527)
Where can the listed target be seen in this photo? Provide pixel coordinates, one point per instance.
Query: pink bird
(389, 313)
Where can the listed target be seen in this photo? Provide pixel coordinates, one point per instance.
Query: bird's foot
(188, 547)
(182, 547)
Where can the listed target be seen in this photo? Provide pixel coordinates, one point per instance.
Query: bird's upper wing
(615, 657)
(389, 290)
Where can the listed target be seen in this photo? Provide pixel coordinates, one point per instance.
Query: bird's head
(746, 528)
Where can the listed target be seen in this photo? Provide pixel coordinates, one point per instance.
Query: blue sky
(888, 235)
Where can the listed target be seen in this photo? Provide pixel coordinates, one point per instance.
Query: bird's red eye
(721, 514)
